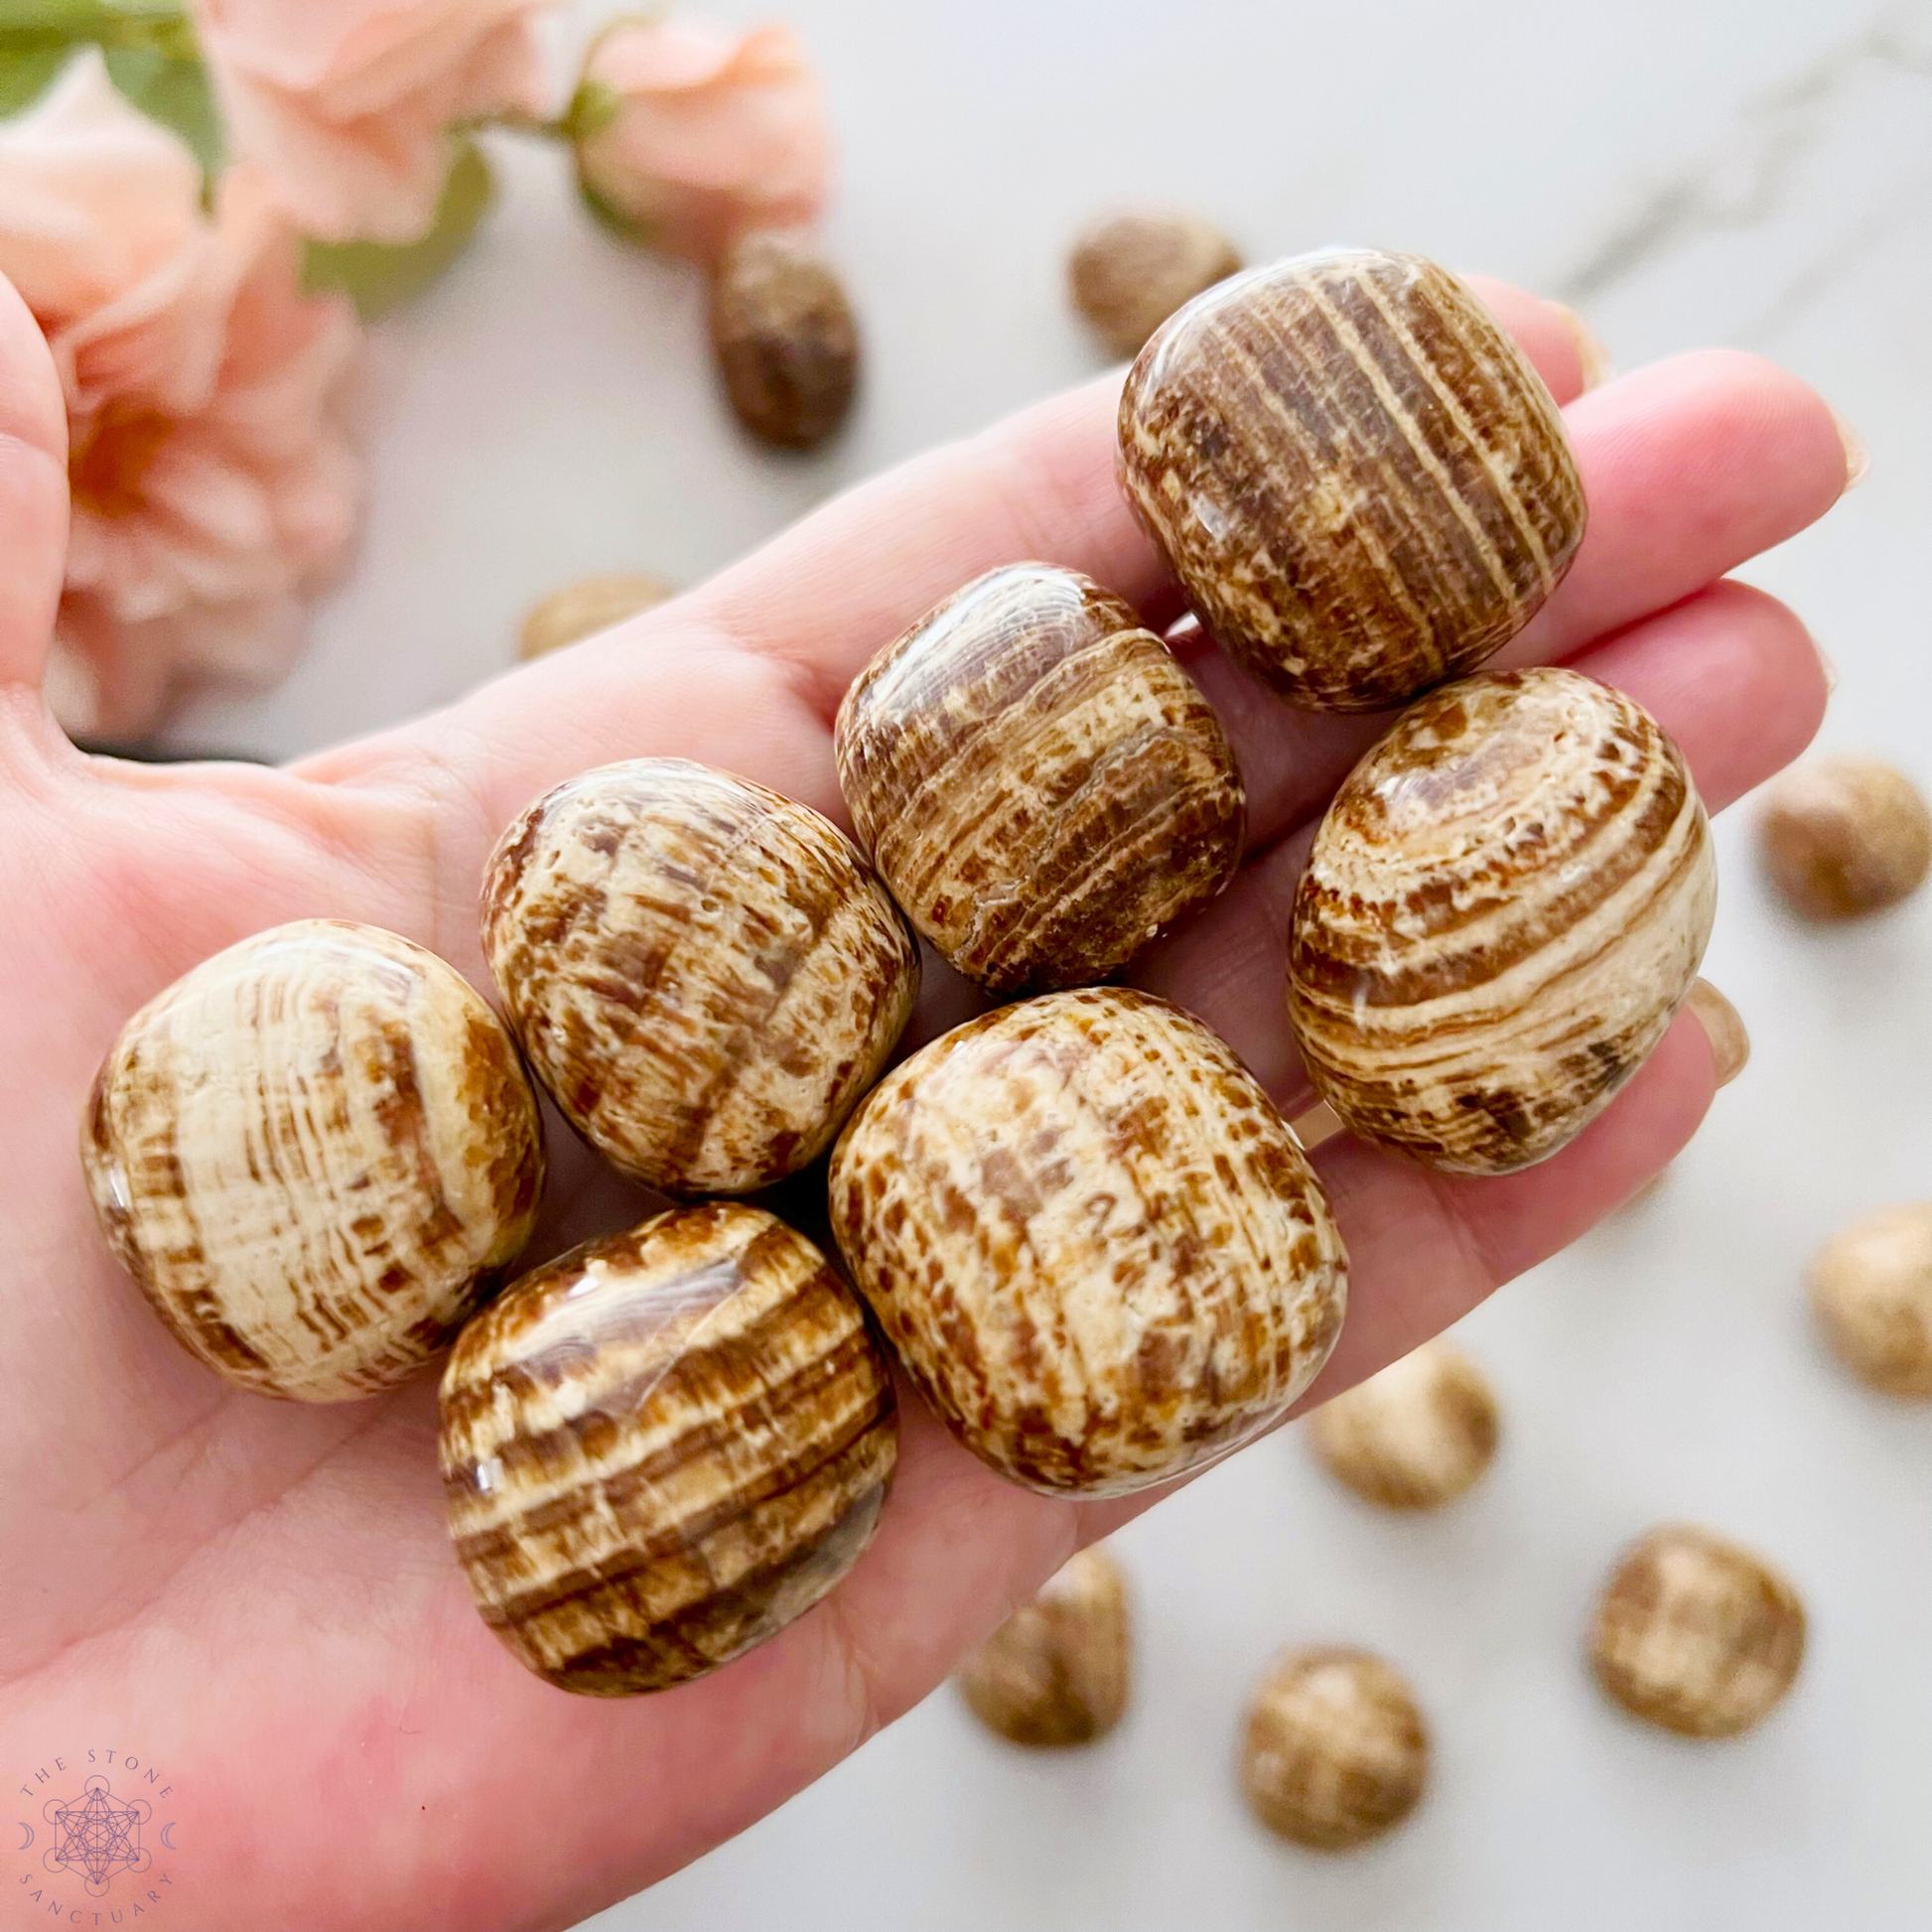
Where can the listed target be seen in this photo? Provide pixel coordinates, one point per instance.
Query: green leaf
(25, 71)
(151, 55)
(174, 93)
(378, 277)
(163, 25)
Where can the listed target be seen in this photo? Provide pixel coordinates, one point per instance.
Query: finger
(743, 674)
(1039, 486)
(1691, 467)
(33, 493)
(1732, 674)
(1556, 339)
(820, 600)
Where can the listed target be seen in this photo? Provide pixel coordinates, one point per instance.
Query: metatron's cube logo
(97, 1835)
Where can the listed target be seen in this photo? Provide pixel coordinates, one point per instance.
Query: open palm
(259, 1600)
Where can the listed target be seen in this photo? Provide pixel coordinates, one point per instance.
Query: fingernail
(1857, 459)
(1592, 359)
(1723, 1027)
(1826, 665)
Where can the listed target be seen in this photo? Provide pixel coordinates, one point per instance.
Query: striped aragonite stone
(1363, 486)
(1037, 780)
(316, 1153)
(1058, 1670)
(664, 1447)
(1697, 1635)
(1092, 1240)
(1414, 1436)
(1335, 1751)
(1504, 908)
(705, 975)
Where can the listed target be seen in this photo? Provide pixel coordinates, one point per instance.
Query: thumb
(33, 496)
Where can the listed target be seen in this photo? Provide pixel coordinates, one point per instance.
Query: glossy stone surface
(1696, 1634)
(785, 339)
(1058, 1670)
(1504, 907)
(705, 975)
(316, 1153)
(1335, 1751)
(1363, 486)
(1415, 1436)
(664, 1447)
(1037, 780)
(1091, 1239)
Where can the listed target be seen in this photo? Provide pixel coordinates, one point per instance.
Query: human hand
(259, 1600)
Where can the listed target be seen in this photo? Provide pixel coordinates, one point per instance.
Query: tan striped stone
(1363, 486)
(1040, 784)
(1696, 1634)
(1092, 1240)
(1057, 1671)
(316, 1153)
(664, 1447)
(1414, 1436)
(1844, 837)
(1504, 908)
(1132, 269)
(705, 975)
(1870, 1287)
(1335, 1751)
(587, 606)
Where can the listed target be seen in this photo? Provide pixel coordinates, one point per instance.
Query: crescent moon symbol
(165, 1829)
(28, 1839)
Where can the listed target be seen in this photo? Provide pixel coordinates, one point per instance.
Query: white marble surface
(1756, 172)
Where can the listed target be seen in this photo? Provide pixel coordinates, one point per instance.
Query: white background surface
(1758, 172)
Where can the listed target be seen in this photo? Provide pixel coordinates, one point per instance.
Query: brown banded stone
(785, 337)
(1504, 907)
(1696, 1634)
(664, 1447)
(1056, 1672)
(705, 975)
(1039, 781)
(1134, 268)
(1335, 1751)
(316, 1153)
(1092, 1240)
(1363, 486)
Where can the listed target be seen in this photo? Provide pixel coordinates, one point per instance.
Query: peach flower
(210, 480)
(348, 103)
(692, 134)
